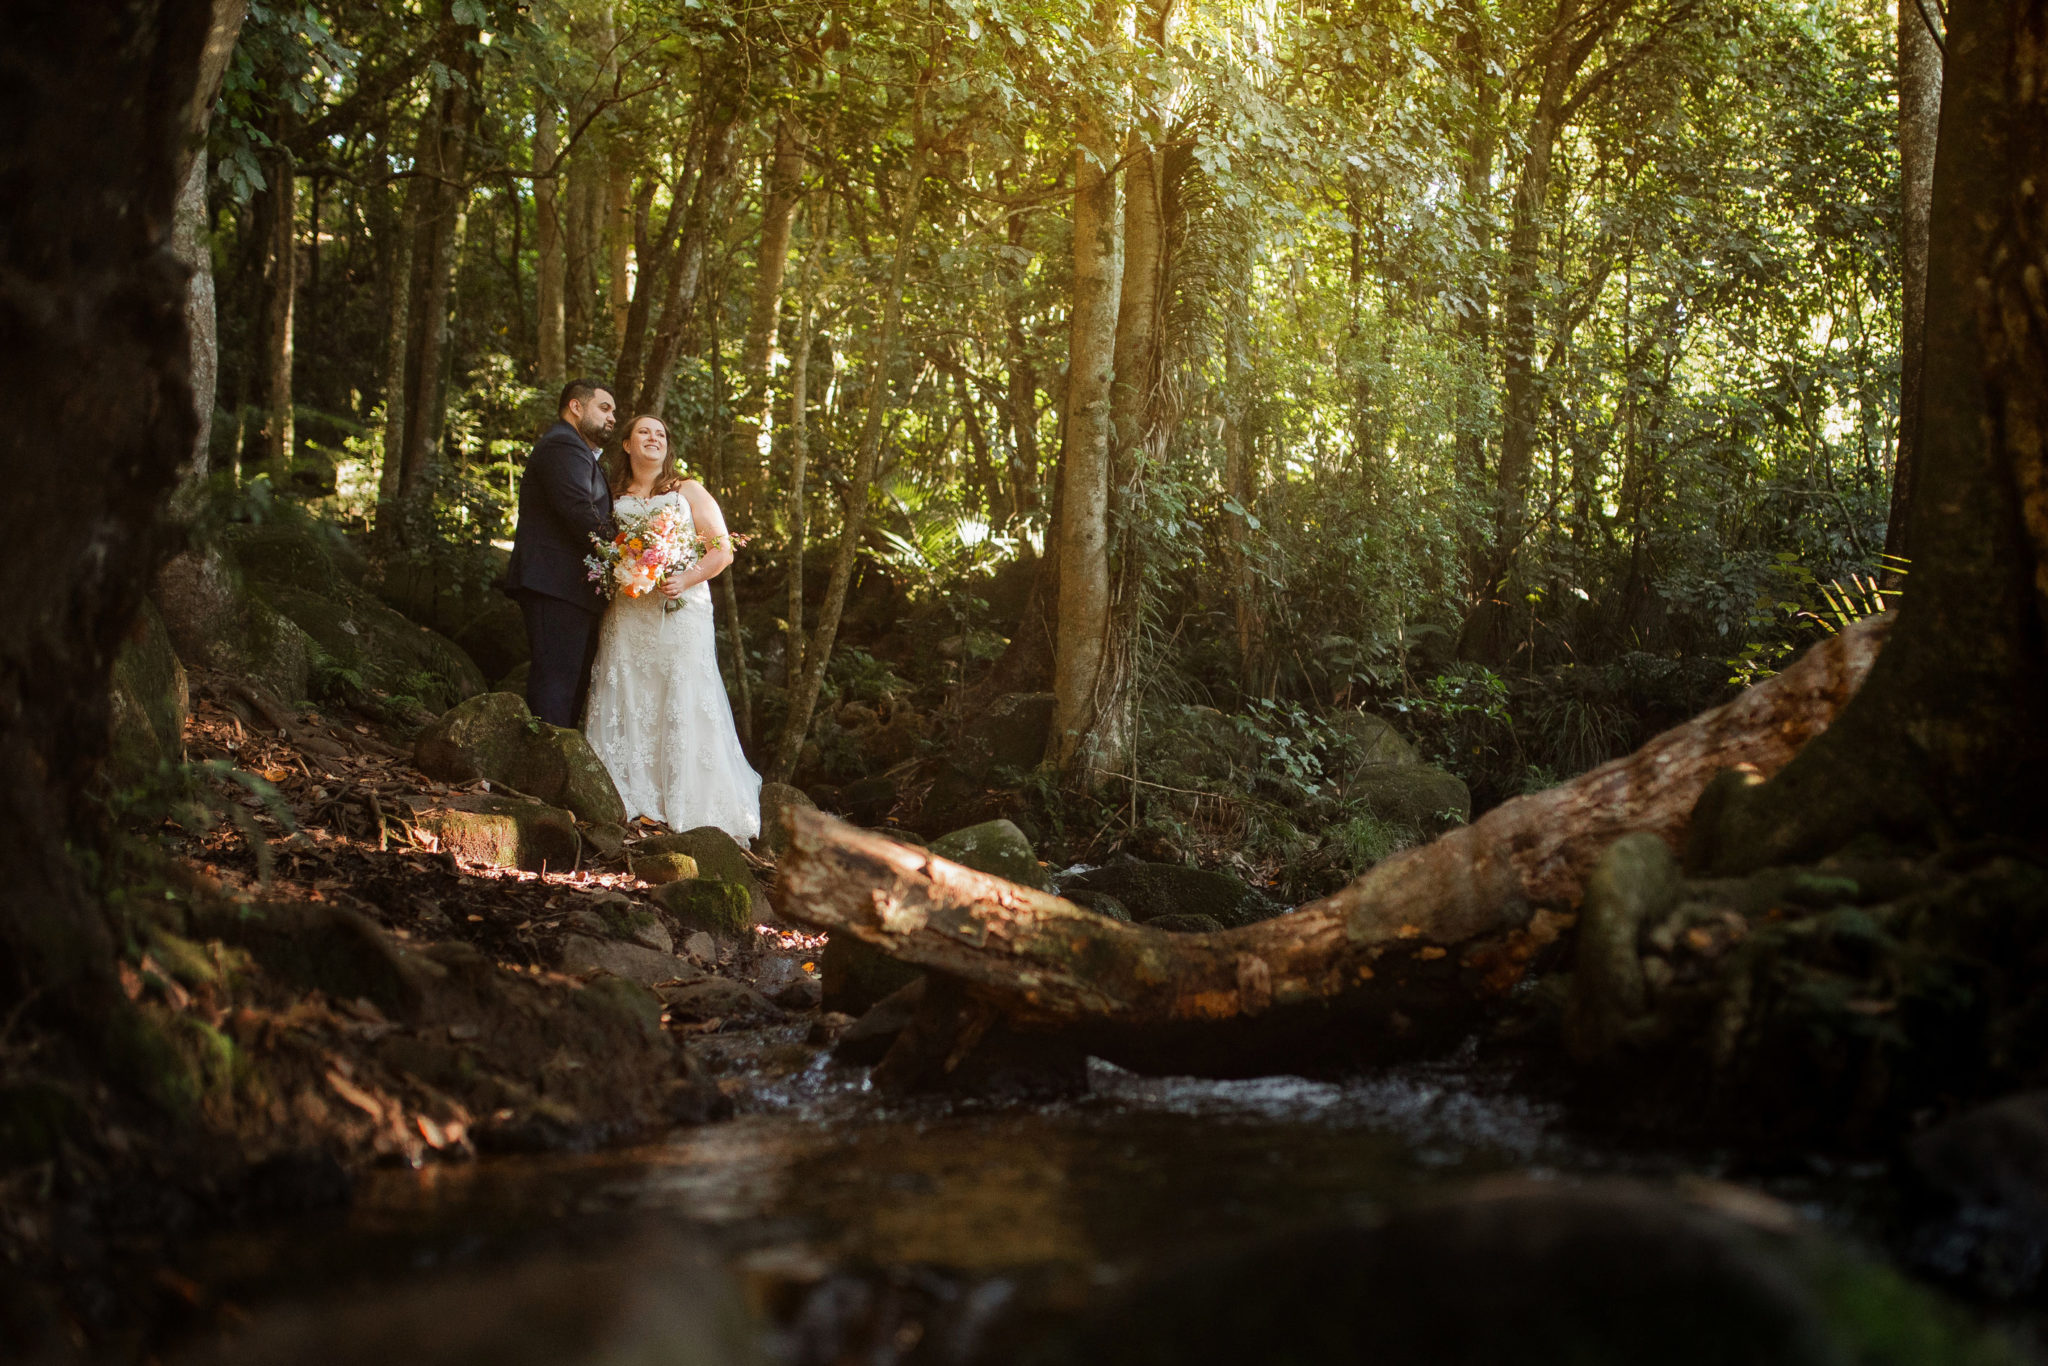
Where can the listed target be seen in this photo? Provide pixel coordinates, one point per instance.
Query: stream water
(846, 1229)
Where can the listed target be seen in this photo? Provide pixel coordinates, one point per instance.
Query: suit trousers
(562, 637)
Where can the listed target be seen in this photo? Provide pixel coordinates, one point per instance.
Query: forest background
(1529, 371)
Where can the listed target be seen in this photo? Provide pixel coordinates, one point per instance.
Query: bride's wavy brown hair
(619, 465)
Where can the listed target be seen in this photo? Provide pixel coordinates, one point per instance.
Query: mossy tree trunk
(93, 317)
(1948, 740)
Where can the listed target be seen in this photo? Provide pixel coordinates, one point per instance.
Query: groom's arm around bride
(564, 500)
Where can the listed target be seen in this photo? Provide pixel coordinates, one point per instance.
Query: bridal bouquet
(646, 550)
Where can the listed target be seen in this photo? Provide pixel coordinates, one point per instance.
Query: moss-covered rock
(1636, 882)
(717, 854)
(1009, 733)
(583, 953)
(659, 869)
(776, 798)
(1417, 795)
(707, 903)
(494, 736)
(369, 646)
(1368, 741)
(503, 832)
(216, 621)
(625, 918)
(1151, 890)
(1102, 903)
(148, 699)
(997, 848)
(455, 593)
(294, 549)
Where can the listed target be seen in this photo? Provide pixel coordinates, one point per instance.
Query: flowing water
(853, 1230)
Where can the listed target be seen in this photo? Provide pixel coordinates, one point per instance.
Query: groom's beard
(595, 432)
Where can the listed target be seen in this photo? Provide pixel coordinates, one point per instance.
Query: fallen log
(1455, 921)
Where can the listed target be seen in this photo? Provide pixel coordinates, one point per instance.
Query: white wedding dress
(658, 715)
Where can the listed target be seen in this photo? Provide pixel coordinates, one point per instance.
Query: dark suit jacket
(563, 502)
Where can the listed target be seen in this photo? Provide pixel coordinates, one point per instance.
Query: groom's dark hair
(577, 389)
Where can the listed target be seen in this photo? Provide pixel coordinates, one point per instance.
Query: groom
(564, 500)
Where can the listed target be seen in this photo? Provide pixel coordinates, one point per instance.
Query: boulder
(581, 953)
(867, 1039)
(503, 832)
(856, 975)
(718, 855)
(777, 798)
(706, 903)
(455, 592)
(1151, 890)
(1367, 741)
(216, 622)
(803, 992)
(1418, 795)
(291, 548)
(997, 848)
(375, 649)
(625, 918)
(608, 841)
(1102, 903)
(494, 736)
(868, 801)
(659, 870)
(514, 681)
(1011, 732)
(1605, 1274)
(148, 700)
(716, 998)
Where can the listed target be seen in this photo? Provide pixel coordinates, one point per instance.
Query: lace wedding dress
(658, 715)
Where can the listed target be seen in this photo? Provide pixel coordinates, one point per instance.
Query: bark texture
(92, 318)
(1468, 907)
(550, 265)
(783, 184)
(1082, 536)
(1948, 741)
(1919, 125)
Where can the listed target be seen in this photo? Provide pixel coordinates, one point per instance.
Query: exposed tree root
(1428, 931)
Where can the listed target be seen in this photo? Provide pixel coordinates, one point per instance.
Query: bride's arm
(711, 526)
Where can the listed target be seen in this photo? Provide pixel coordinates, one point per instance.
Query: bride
(658, 715)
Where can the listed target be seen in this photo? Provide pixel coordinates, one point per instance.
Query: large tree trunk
(1083, 530)
(444, 157)
(1948, 741)
(655, 250)
(549, 279)
(189, 244)
(1919, 124)
(1443, 925)
(804, 698)
(93, 319)
(280, 292)
(783, 183)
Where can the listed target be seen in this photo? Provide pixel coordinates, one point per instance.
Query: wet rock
(865, 1040)
(1636, 881)
(1417, 795)
(997, 848)
(1102, 903)
(1602, 1275)
(147, 701)
(718, 855)
(661, 869)
(216, 622)
(707, 904)
(651, 1300)
(804, 992)
(1010, 733)
(580, 953)
(503, 832)
(857, 975)
(493, 736)
(1185, 924)
(715, 998)
(777, 798)
(1151, 890)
